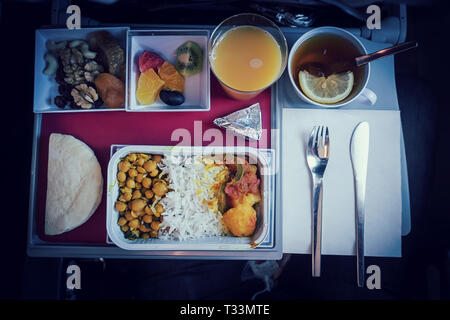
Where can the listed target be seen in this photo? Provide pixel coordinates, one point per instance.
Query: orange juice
(246, 58)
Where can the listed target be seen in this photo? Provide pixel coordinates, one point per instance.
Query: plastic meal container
(46, 87)
(263, 226)
(165, 44)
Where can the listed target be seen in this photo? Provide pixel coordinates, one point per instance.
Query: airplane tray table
(271, 100)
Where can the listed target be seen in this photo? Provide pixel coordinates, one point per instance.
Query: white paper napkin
(383, 189)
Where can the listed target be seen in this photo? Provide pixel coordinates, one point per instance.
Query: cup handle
(367, 96)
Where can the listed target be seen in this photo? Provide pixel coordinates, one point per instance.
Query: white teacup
(363, 95)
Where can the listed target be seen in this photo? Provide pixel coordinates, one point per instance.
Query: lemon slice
(331, 89)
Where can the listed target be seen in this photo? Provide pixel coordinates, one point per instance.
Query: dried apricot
(110, 89)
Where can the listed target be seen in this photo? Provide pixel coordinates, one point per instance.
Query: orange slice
(172, 78)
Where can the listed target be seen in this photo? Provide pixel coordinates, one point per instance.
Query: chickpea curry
(142, 186)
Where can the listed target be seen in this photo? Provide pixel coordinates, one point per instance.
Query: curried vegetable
(243, 192)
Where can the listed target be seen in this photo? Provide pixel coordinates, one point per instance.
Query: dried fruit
(98, 103)
(149, 60)
(60, 102)
(148, 87)
(110, 54)
(172, 78)
(110, 89)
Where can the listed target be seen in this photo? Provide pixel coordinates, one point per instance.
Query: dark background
(423, 90)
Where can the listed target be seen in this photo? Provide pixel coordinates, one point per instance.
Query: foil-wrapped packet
(245, 122)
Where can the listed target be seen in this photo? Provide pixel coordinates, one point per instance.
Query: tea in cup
(315, 68)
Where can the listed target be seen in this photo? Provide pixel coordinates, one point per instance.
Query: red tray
(99, 130)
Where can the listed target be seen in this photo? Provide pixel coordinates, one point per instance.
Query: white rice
(187, 214)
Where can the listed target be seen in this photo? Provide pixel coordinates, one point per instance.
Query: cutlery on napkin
(383, 201)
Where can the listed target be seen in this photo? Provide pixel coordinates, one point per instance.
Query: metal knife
(359, 150)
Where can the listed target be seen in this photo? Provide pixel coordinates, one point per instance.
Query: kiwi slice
(189, 59)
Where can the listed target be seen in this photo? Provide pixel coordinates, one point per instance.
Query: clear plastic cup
(254, 20)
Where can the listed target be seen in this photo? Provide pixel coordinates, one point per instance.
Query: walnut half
(84, 96)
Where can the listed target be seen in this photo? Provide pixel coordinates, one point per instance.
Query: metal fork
(317, 157)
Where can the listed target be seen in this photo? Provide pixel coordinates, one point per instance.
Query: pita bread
(74, 184)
